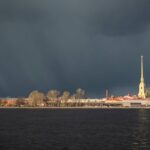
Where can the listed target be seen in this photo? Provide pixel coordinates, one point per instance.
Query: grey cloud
(67, 44)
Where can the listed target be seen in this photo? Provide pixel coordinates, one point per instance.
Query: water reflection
(141, 129)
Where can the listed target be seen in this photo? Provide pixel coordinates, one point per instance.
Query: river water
(74, 129)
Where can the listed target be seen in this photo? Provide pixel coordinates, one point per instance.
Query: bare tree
(53, 94)
(20, 102)
(80, 93)
(36, 98)
(66, 95)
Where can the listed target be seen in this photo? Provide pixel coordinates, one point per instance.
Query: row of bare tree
(52, 98)
(37, 98)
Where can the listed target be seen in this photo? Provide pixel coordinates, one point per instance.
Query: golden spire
(142, 70)
(142, 93)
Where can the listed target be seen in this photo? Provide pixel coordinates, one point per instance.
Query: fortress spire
(141, 93)
(142, 70)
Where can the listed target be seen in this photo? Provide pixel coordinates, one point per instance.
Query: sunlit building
(141, 99)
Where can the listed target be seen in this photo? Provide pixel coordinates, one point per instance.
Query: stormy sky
(66, 44)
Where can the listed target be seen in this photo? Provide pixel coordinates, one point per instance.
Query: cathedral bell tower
(141, 93)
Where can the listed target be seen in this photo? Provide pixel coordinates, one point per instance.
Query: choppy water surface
(77, 129)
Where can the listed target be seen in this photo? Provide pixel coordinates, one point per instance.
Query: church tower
(141, 93)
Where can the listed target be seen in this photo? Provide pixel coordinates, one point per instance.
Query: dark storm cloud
(129, 17)
(67, 44)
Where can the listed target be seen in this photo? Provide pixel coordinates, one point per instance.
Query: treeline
(54, 97)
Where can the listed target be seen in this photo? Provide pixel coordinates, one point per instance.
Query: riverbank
(74, 107)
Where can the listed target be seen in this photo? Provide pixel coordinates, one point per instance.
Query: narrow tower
(142, 84)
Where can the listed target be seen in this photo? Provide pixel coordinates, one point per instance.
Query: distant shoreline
(74, 107)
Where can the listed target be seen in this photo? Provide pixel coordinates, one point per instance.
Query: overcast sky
(66, 44)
